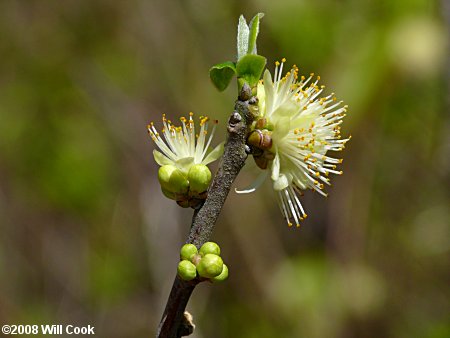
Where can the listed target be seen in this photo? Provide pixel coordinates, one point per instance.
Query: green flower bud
(186, 270)
(210, 248)
(164, 174)
(187, 251)
(210, 266)
(168, 194)
(172, 179)
(222, 276)
(199, 178)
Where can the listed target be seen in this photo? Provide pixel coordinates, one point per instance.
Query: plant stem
(205, 218)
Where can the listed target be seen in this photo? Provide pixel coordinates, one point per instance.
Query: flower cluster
(184, 175)
(293, 135)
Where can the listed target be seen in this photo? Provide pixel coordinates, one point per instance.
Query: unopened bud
(168, 194)
(223, 275)
(199, 178)
(210, 248)
(187, 270)
(172, 179)
(188, 251)
(210, 266)
(261, 139)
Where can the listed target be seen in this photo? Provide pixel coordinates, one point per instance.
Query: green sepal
(249, 68)
(254, 30)
(221, 74)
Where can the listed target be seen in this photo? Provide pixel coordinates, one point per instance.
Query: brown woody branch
(173, 323)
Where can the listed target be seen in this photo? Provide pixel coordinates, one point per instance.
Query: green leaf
(222, 74)
(254, 30)
(242, 37)
(250, 68)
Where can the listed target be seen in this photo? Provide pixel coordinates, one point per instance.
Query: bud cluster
(188, 190)
(205, 263)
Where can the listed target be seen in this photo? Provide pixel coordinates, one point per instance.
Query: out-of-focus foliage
(88, 238)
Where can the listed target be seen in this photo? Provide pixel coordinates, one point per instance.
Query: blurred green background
(87, 237)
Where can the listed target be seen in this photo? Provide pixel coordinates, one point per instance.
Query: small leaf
(250, 68)
(242, 37)
(254, 30)
(222, 74)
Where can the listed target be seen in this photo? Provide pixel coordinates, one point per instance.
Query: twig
(205, 218)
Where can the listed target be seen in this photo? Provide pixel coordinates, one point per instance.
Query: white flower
(303, 129)
(183, 148)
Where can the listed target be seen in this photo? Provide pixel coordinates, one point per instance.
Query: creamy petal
(276, 167)
(161, 159)
(184, 164)
(214, 154)
(281, 183)
(269, 92)
(255, 184)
